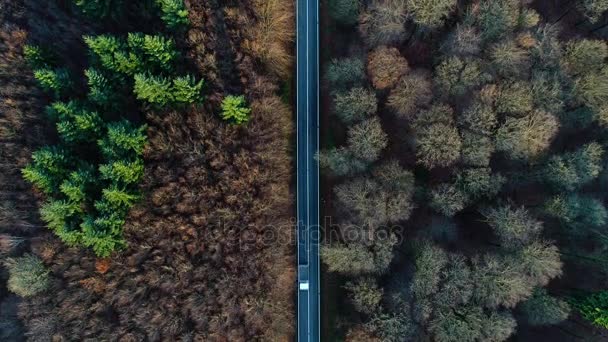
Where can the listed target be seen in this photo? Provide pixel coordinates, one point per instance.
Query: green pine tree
(234, 109)
(56, 81)
(123, 172)
(124, 140)
(174, 13)
(154, 90)
(49, 168)
(185, 89)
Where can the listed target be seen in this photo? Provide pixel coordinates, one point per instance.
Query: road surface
(307, 79)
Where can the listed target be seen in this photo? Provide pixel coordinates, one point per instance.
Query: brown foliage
(385, 66)
(209, 254)
(102, 265)
(272, 34)
(198, 260)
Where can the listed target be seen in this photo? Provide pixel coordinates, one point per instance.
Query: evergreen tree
(111, 53)
(75, 123)
(123, 172)
(103, 233)
(174, 13)
(101, 8)
(49, 168)
(101, 91)
(123, 141)
(38, 57)
(186, 90)
(157, 52)
(155, 90)
(78, 185)
(234, 109)
(55, 81)
(62, 216)
(593, 307)
(119, 198)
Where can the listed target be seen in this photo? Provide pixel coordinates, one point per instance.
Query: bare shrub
(272, 34)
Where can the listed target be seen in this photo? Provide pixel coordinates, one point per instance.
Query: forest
(465, 168)
(145, 159)
(147, 172)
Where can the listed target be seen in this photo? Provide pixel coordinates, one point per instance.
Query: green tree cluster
(234, 109)
(101, 8)
(174, 13)
(147, 64)
(90, 177)
(593, 307)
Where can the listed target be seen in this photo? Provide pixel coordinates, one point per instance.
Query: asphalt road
(307, 79)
